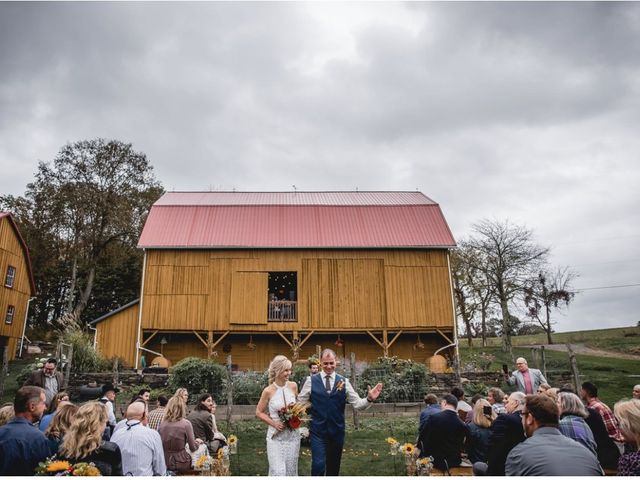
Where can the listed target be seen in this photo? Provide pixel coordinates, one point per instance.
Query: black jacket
(442, 438)
(506, 433)
(607, 450)
(106, 458)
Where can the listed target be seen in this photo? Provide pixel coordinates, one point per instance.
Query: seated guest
(628, 414)
(61, 422)
(140, 446)
(506, 433)
(607, 450)
(543, 387)
(572, 423)
(443, 435)
(46, 419)
(176, 432)
(589, 393)
(546, 452)
(463, 407)
(431, 402)
(495, 397)
(480, 431)
(469, 417)
(22, 445)
(144, 394)
(201, 419)
(636, 391)
(6, 413)
(83, 441)
(156, 415)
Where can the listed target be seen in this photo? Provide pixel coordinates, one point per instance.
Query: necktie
(327, 383)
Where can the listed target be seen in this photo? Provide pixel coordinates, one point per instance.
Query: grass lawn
(365, 453)
(611, 375)
(625, 339)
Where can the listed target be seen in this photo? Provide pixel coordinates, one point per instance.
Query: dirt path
(582, 349)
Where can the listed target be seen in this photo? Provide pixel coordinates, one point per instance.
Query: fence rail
(282, 311)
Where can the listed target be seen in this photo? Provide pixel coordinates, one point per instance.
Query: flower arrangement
(424, 466)
(292, 415)
(205, 462)
(393, 446)
(61, 468)
(340, 386)
(232, 442)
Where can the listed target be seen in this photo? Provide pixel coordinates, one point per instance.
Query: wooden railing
(282, 311)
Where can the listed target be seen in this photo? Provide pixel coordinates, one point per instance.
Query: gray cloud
(521, 110)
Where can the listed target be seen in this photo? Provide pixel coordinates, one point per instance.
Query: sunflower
(220, 454)
(424, 461)
(58, 465)
(232, 439)
(391, 441)
(408, 448)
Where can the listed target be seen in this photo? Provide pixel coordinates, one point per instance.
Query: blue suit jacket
(327, 408)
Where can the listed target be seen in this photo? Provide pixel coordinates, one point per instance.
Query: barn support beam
(444, 336)
(153, 334)
(385, 344)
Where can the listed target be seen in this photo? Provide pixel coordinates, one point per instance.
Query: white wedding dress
(283, 450)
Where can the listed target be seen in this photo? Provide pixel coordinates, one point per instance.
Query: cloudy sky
(522, 111)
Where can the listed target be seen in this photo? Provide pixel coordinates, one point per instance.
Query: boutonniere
(340, 386)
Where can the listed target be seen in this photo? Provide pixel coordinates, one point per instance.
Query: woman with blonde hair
(183, 394)
(480, 431)
(283, 445)
(6, 413)
(83, 441)
(176, 432)
(59, 398)
(627, 412)
(61, 422)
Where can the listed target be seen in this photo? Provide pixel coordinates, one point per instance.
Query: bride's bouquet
(292, 416)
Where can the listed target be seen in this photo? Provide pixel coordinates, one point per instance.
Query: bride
(283, 445)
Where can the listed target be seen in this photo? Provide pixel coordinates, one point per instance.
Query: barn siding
(116, 336)
(11, 253)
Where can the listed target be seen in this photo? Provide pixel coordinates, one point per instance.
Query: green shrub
(247, 387)
(85, 357)
(404, 380)
(199, 375)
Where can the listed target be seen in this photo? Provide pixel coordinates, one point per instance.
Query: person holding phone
(527, 380)
(479, 431)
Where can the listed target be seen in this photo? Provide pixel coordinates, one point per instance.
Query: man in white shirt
(328, 393)
(140, 446)
(108, 398)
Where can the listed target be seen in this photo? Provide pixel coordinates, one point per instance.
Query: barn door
(249, 294)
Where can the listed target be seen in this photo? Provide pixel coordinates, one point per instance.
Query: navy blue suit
(443, 437)
(327, 426)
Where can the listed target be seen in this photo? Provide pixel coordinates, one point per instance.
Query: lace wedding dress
(282, 449)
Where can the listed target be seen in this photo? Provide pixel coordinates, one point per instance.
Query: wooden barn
(259, 274)
(17, 285)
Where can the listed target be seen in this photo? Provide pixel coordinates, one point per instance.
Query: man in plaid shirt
(156, 416)
(589, 394)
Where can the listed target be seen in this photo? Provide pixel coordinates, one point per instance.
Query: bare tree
(546, 291)
(510, 258)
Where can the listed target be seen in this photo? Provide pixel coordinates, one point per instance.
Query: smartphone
(505, 368)
(487, 411)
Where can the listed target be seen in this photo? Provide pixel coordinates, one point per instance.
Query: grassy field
(625, 340)
(614, 377)
(366, 452)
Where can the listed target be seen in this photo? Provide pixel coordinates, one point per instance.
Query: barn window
(11, 276)
(10, 311)
(283, 295)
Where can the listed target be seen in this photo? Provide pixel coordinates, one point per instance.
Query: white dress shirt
(352, 396)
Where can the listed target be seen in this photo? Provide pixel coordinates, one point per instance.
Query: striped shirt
(155, 417)
(141, 449)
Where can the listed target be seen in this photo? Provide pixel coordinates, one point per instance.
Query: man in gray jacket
(527, 380)
(546, 451)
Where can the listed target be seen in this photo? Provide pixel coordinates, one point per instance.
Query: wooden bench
(454, 471)
(610, 472)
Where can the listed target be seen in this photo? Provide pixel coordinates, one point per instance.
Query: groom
(328, 393)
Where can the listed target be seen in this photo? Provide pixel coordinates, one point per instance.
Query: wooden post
(385, 344)
(543, 360)
(574, 368)
(534, 357)
(209, 344)
(353, 384)
(318, 351)
(115, 371)
(229, 392)
(4, 368)
(67, 373)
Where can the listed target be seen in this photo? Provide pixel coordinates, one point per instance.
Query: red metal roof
(295, 220)
(25, 249)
